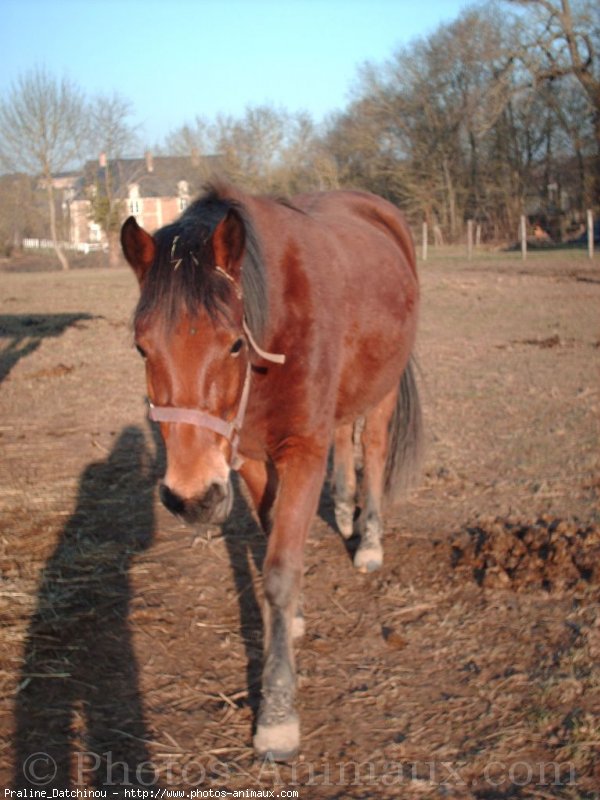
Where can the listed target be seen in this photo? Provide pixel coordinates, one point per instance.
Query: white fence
(48, 244)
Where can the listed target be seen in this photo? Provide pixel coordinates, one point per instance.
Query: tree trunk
(581, 68)
(53, 233)
(114, 249)
(450, 199)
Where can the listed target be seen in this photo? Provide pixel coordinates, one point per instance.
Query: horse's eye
(237, 346)
(141, 351)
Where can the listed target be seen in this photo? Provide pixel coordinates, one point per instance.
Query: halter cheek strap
(274, 358)
(202, 419)
(192, 416)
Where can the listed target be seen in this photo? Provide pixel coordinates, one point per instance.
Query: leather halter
(203, 419)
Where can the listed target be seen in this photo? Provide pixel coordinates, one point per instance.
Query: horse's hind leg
(344, 479)
(369, 555)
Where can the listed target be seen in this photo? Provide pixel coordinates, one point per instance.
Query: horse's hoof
(279, 742)
(344, 518)
(298, 627)
(369, 558)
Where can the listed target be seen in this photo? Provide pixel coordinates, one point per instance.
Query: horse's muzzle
(212, 508)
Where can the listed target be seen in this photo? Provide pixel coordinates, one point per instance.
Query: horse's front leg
(301, 475)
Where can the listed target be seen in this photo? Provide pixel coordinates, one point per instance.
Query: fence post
(424, 241)
(590, 232)
(523, 237)
(469, 239)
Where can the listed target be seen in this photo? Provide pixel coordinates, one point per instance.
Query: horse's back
(344, 210)
(362, 266)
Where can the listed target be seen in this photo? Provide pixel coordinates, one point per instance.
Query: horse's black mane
(183, 274)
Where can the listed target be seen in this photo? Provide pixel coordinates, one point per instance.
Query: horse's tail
(405, 438)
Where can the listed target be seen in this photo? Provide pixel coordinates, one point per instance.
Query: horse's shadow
(246, 547)
(78, 711)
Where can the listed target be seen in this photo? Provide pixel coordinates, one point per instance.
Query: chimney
(149, 161)
(102, 160)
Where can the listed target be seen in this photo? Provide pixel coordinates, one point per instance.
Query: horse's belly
(371, 370)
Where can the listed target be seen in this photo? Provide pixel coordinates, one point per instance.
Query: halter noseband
(229, 430)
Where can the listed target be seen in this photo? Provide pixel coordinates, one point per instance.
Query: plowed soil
(468, 667)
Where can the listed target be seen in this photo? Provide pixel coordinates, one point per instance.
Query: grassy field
(467, 668)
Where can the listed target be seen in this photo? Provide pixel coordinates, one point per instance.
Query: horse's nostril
(215, 494)
(172, 501)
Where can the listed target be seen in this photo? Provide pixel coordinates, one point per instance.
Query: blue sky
(176, 59)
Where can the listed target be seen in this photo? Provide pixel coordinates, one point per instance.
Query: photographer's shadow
(79, 714)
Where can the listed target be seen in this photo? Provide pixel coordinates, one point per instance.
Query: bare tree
(483, 118)
(265, 149)
(111, 132)
(304, 163)
(250, 146)
(562, 40)
(195, 139)
(112, 136)
(43, 127)
(418, 129)
(22, 212)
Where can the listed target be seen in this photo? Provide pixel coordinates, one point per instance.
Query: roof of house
(155, 176)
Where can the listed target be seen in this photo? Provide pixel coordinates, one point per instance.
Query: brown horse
(268, 328)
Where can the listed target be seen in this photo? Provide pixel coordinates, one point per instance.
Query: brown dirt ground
(467, 668)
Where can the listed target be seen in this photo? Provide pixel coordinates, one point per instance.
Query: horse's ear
(138, 246)
(228, 241)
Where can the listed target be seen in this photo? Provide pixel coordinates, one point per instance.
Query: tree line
(490, 116)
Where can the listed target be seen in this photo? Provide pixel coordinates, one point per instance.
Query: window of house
(183, 195)
(134, 202)
(95, 232)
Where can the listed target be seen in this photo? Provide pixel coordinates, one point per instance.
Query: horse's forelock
(183, 276)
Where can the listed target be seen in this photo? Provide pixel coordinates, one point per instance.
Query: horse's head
(190, 327)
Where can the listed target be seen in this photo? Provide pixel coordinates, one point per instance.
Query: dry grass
(465, 669)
